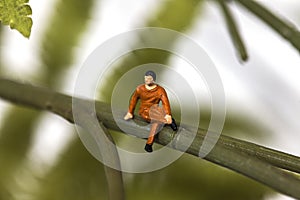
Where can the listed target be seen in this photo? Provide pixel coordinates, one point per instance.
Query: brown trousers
(157, 120)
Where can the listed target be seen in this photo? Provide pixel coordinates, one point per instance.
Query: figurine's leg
(156, 114)
(153, 130)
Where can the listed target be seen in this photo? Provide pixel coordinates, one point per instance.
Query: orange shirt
(149, 98)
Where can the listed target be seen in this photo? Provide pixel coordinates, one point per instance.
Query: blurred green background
(41, 156)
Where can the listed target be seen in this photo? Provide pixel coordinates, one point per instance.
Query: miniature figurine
(150, 94)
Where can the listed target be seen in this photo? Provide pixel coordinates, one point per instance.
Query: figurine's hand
(128, 116)
(168, 119)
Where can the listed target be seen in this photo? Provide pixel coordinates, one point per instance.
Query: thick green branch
(257, 162)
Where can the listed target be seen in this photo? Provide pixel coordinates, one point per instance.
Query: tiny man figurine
(150, 94)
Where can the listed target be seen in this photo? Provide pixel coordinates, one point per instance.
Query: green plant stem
(109, 156)
(281, 26)
(257, 162)
(233, 31)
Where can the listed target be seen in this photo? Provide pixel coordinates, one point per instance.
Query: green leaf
(282, 26)
(16, 14)
(233, 30)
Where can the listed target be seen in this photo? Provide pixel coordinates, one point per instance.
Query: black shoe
(173, 125)
(148, 148)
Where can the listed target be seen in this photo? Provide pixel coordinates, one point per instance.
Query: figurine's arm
(132, 104)
(166, 106)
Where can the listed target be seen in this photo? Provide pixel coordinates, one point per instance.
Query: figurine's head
(150, 77)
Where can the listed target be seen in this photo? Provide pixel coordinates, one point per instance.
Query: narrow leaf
(233, 30)
(281, 26)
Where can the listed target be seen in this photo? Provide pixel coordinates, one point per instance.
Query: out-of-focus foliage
(16, 14)
(15, 141)
(1, 50)
(18, 129)
(76, 175)
(175, 15)
(62, 36)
